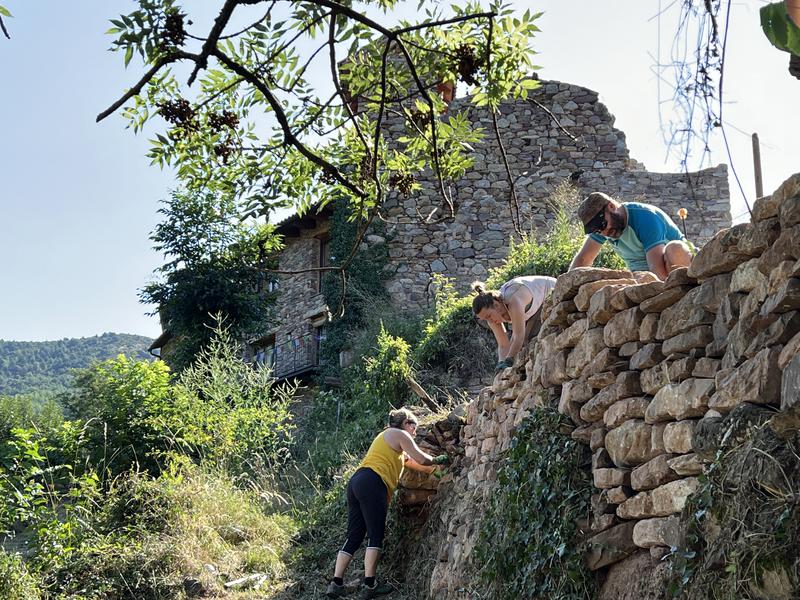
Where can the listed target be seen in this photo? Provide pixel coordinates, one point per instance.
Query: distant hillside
(45, 366)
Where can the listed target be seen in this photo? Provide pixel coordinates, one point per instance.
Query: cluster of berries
(178, 112)
(174, 33)
(468, 63)
(226, 118)
(402, 182)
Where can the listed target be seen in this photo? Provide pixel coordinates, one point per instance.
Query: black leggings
(367, 505)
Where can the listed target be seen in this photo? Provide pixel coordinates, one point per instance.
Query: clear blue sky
(79, 199)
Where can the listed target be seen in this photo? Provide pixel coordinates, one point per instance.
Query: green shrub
(453, 342)
(28, 410)
(227, 413)
(16, 583)
(388, 368)
(119, 399)
(527, 546)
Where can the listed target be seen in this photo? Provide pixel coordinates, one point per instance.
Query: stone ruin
(644, 369)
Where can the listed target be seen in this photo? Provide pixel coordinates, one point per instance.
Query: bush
(15, 581)
(453, 342)
(119, 399)
(226, 413)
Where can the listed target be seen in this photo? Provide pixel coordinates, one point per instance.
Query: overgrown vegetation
(529, 545)
(743, 523)
(148, 482)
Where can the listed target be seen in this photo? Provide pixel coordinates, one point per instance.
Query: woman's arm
(516, 308)
(409, 446)
(500, 334)
(415, 466)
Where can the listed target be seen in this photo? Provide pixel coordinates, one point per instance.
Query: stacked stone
(491, 419)
(643, 368)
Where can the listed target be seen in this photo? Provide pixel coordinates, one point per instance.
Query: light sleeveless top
(385, 461)
(538, 285)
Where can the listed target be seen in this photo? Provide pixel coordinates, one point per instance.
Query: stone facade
(541, 156)
(291, 347)
(651, 393)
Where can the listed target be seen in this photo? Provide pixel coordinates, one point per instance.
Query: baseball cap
(591, 205)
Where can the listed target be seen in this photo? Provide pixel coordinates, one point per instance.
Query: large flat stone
(758, 236)
(600, 308)
(757, 381)
(570, 337)
(779, 332)
(746, 277)
(630, 444)
(649, 356)
(698, 337)
(653, 473)
(587, 290)
(719, 255)
(639, 293)
(680, 401)
(668, 499)
(665, 299)
(587, 348)
(659, 531)
(611, 477)
(786, 247)
(626, 386)
(623, 327)
(568, 284)
(713, 290)
(678, 436)
(785, 299)
(623, 410)
(654, 378)
(648, 328)
(790, 384)
(687, 464)
(687, 313)
(610, 546)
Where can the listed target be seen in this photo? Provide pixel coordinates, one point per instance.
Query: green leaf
(4, 11)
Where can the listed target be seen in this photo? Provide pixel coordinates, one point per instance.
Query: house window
(265, 353)
(324, 259)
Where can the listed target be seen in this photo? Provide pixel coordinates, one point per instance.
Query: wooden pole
(757, 166)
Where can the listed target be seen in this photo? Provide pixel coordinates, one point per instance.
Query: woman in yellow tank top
(369, 492)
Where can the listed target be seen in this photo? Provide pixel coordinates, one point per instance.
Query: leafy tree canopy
(215, 265)
(266, 128)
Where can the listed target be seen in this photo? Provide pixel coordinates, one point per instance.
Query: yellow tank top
(385, 461)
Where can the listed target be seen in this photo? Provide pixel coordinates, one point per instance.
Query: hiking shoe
(336, 591)
(379, 589)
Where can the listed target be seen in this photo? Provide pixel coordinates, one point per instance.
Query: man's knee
(677, 254)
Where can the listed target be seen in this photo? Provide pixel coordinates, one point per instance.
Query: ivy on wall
(365, 277)
(528, 546)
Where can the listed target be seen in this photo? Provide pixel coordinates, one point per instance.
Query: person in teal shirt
(642, 234)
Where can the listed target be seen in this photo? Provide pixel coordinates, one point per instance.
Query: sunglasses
(597, 223)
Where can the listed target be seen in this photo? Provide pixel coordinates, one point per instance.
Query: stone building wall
(301, 306)
(541, 155)
(651, 373)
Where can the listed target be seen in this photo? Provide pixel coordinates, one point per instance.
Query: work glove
(504, 364)
(439, 473)
(441, 459)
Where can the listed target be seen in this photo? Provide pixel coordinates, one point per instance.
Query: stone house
(560, 133)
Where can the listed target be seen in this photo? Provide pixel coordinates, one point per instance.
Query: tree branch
(134, 91)
(280, 115)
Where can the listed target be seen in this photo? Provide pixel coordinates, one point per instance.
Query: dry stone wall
(643, 368)
(583, 147)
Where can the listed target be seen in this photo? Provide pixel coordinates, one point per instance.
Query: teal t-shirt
(648, 226)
